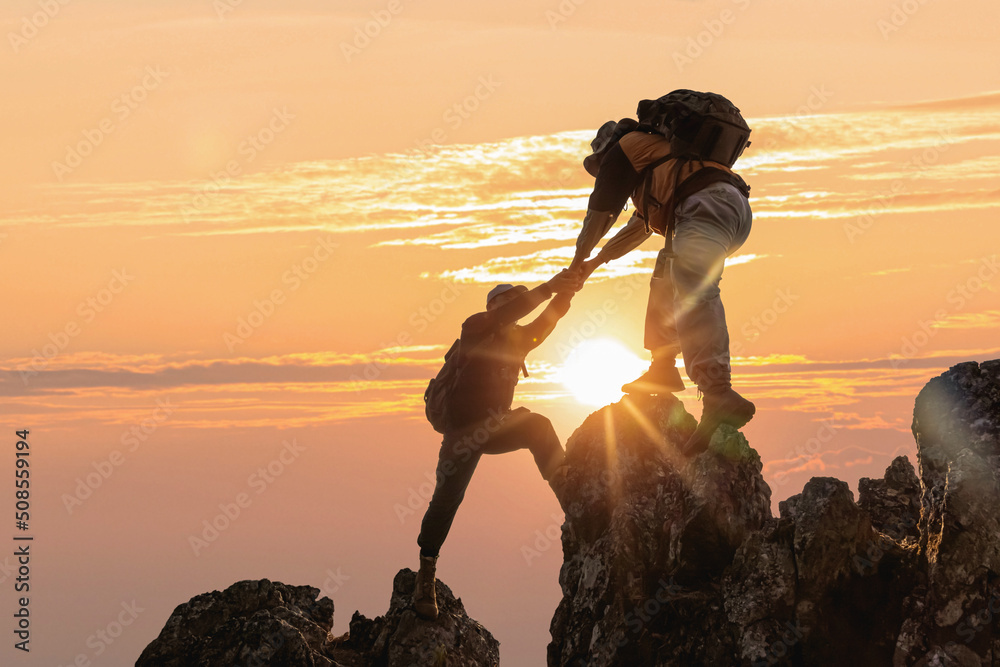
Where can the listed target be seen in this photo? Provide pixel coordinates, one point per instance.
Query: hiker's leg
(711, 224)
(660, 336)
(456, 462)
(523, 429)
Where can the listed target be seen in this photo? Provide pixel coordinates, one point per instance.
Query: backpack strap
(707, 176)
(647, 185)
(696, 182)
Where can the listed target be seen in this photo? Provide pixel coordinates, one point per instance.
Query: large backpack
(437, 397)
(702, 126)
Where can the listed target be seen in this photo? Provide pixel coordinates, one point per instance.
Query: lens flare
(596, 369)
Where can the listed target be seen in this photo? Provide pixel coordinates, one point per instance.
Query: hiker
(675, 162)
(470, 403)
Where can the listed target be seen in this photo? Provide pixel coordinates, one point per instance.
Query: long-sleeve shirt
(622, 175)
(494, 352)
(628, 238)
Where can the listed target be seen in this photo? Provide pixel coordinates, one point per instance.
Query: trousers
(685, 314)
(460, 453)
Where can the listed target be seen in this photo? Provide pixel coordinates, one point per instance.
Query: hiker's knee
(538, 425)
(542, 435)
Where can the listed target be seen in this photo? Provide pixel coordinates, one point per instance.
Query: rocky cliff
(669, 561)
(257, 623)
(674, 562)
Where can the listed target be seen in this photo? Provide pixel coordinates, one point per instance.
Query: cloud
(826, 461)
(534, 190)
(543, 264)
(27, 376)
(989, 319)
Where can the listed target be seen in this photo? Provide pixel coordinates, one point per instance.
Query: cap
(610, 132)
(501, 289)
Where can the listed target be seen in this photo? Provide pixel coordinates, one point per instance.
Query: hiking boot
(425, 593)
(721, 407)
(661, 378)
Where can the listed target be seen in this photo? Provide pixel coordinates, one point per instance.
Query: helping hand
(588, 267)
(566, 281)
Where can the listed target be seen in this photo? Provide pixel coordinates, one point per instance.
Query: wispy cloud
(543, 264)
(989, 319)
(534, 189)
(151, 372)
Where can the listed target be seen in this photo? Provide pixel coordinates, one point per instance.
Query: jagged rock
(402, 639)
(759, 593)
(647, 535)
(671, 561)
(893, 503)
(851, 580)
(264, 623)
(676, 562)
(249, 623)
(956, 423)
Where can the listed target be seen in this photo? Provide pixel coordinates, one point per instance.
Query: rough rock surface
(953, 617)
(893, 503)
(669, 561)
(647, 536)
(402, 639)
(249, 623)
(257, 623)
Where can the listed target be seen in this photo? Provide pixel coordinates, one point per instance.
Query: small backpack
(440, 390)
(437, 397)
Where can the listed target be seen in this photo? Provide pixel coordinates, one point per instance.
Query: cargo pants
(460, 453)
(685, 313)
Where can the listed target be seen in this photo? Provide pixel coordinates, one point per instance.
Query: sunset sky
(238, 236)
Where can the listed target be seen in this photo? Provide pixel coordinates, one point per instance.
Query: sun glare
(596, 370)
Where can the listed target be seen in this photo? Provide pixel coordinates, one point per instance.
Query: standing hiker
(675, 162)
(469, 402)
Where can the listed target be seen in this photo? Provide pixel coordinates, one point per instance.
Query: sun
(596, 370)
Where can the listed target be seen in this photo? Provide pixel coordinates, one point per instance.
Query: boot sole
(702, 436)
(651, 389)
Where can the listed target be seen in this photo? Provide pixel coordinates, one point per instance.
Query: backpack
(438, 394)
(702, 126)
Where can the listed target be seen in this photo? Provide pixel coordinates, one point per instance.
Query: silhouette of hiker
(491, 353)
(675, 164)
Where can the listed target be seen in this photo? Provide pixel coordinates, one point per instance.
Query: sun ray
(651, 431)
(611, 452)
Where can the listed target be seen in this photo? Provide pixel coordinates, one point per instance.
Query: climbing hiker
(469, 402)
(676, 162)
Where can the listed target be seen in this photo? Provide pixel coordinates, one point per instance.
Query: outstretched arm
(534, 334)
(616, 180)
(628, 238)
(483, 324)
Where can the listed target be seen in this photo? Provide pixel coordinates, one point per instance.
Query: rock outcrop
(671, 561)
(256, 623)
(676, 562)
(647, 536)
(953, 617)
(249, 623)
(401, 639)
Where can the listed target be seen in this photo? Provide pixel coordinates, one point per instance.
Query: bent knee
(537, 423)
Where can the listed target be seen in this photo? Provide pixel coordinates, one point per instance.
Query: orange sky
(276, 236)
